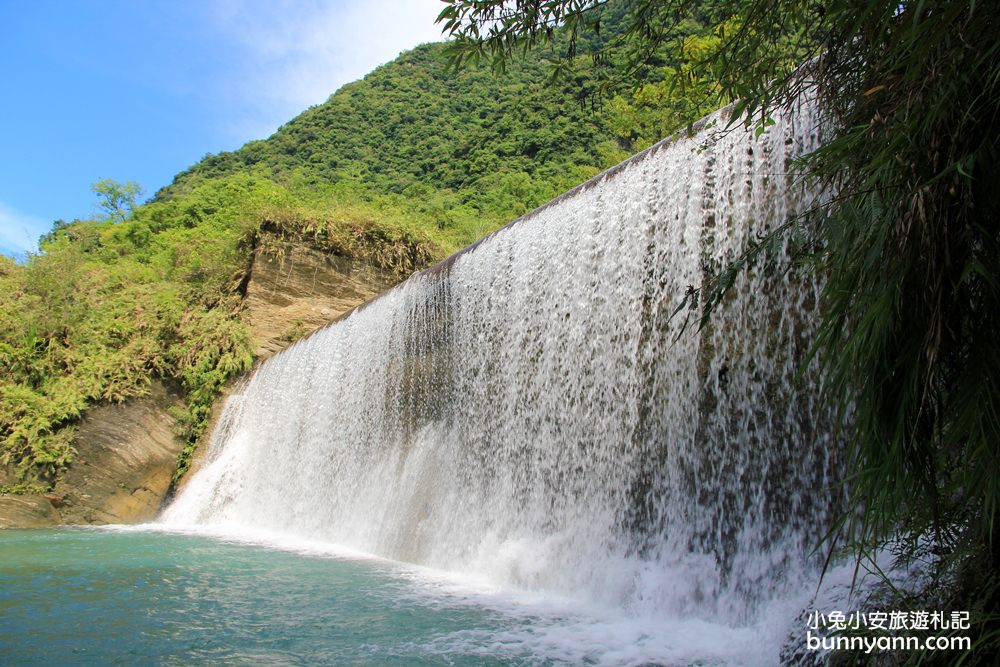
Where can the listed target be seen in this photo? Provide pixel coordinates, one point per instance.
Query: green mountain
(458, 152)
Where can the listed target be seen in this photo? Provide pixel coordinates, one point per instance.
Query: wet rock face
(29, 511)
(300, 289)
(126, 455)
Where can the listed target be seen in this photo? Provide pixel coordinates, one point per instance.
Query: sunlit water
(145, 597)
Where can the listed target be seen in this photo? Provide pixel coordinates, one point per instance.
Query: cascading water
(529, 411)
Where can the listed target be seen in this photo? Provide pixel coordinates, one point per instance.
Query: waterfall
(530, 411)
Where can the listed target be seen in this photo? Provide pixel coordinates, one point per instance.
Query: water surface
(142, 596)
(116, 597)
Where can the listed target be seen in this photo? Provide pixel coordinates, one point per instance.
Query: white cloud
(19, 232)
(296, 53)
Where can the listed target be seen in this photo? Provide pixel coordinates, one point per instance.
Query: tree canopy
(117, 200)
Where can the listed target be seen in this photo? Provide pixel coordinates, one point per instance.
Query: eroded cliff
(127, 453)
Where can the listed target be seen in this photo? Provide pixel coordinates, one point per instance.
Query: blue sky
(138, 90)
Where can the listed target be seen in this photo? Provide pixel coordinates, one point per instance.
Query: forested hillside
(450, 148)
(399, 169)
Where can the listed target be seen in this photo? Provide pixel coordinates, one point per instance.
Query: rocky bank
(127, 453)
